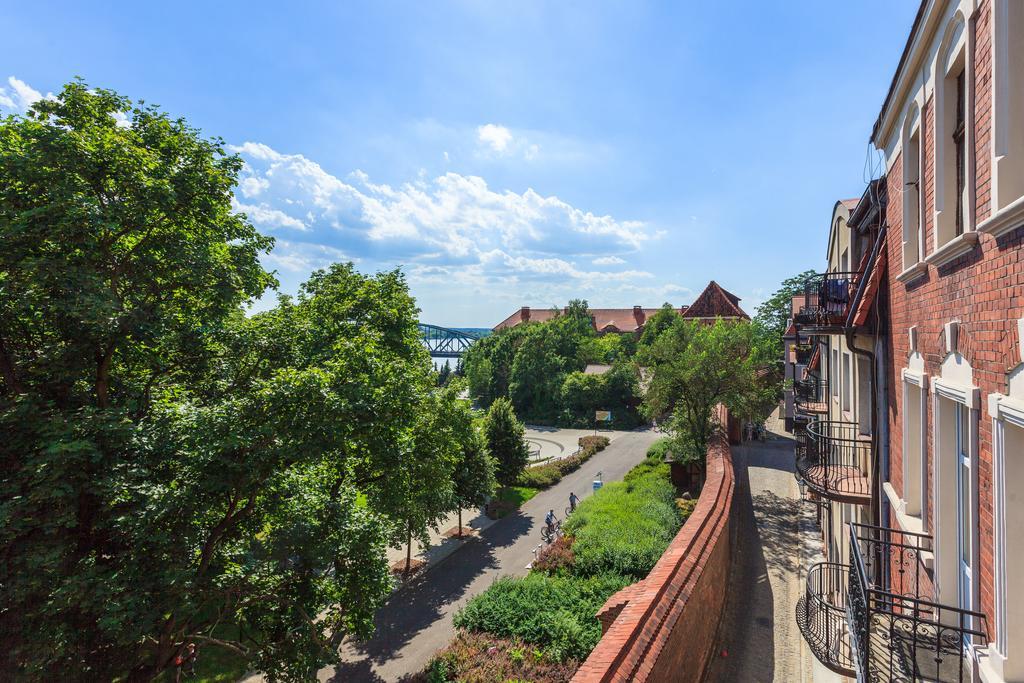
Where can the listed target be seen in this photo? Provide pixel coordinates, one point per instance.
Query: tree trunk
(460, 522)
(408, 548)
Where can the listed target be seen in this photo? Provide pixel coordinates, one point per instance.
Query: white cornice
(969, 396)
(1008, 409)
(913, 272)
(1004, 220)
(916, 378)
(956, 247)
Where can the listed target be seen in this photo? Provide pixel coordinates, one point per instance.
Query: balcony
(834, 460)
(897, 631)
(810, 395)
(821, 616)
(826, 302)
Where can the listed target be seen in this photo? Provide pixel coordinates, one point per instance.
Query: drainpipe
(876, 484)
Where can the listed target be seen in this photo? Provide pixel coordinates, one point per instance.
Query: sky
(507, 154)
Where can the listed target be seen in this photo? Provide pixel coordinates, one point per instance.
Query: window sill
(956, 247)
(913, 272)
(1006, 219)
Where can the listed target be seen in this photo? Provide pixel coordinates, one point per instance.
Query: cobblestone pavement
(760, 638)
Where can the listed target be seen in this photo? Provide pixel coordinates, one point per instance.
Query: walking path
(417, 621)
(761, 641)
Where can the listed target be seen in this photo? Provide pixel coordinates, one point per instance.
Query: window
(912, 193)
(961, 153)
(1008, 100)
(864, 396)
(914, 472)
(847, 381)
(952, 147)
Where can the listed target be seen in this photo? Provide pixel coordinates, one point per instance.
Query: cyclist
(573, 501)
(549, 519)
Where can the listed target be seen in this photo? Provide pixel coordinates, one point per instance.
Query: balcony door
(964, 509)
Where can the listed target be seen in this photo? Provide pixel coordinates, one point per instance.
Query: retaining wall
(664, 628)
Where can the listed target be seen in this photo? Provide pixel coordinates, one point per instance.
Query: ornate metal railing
(821, 616)
(810, 390)
(897, 631)
(827, 299)
(835, 461)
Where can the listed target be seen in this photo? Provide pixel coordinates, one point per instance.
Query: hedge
(550, 473)
(556, 613)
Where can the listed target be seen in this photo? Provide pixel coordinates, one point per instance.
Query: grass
(484, 658)
(213, 665)
(509, 498)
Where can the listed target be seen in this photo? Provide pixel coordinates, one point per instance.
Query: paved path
(417, 621)
(761, 638)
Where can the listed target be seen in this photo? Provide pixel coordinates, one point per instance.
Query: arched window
(911, 191)
(953, 158)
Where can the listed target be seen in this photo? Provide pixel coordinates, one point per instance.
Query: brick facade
(983, 290)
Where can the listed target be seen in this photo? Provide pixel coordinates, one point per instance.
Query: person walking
(573, 501)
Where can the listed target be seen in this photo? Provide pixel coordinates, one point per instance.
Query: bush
(557, 557)
(660, 448)
(627, 525)
(484, 658)
(550, 473)
(554, 612)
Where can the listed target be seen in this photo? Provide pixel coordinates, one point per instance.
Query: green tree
(474, 470)
(506, 442)
(772, 315)
(171, 470)
(444, 374)
(695, 366)
(656, 324)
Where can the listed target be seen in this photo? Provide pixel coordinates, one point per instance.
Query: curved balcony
(834, 461)
(821, 616)
(827, 298)
(810, 395)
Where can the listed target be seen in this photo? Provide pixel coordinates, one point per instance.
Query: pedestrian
(573, 500)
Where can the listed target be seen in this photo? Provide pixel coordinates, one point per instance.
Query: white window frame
(1007, 117)
(847, 399)
(946, 394)
(834, 374)
(915, 469)
(911, 195)
(954, 56)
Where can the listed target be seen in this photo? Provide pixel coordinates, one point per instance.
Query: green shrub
(660, 448)
(550, 473)
(556, 557)
(554, 612)
(626, 526)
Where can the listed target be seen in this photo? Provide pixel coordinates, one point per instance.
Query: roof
(790, 332)
(871, 287)
(596, 369)
(605, 319)
(716, 302)
(850, 204)
(899, 68)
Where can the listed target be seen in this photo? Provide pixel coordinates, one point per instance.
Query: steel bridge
(443, 342)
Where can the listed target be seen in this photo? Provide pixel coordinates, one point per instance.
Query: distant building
(713, 303)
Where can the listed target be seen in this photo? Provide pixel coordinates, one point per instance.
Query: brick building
(919, 334)
(712, 303)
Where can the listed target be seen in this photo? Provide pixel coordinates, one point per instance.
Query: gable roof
(604, 319)
(715, 302)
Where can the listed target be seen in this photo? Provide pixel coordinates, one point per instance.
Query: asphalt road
(417, 621)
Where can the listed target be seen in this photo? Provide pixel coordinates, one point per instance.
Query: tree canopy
(693, 367)
(772, 315)
(174, 471)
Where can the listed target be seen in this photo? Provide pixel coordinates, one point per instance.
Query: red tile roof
(716, 302)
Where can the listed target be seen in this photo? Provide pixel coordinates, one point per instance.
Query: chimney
(639, 316)
(524, 314)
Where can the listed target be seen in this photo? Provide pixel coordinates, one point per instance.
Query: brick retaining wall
(664, 627)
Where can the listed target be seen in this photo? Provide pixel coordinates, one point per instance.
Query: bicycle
(547, 535)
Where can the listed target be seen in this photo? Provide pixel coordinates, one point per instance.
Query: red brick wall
(983, 290)
(664, 627)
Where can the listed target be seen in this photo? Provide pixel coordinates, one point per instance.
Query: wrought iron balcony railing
(835, 460)
(810, 389)
(897, 631)
(827, 299)
(821, 616)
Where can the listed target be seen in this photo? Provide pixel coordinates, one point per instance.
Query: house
(915, 466)
(712, 303)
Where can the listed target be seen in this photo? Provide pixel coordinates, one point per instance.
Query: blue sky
(507, 154)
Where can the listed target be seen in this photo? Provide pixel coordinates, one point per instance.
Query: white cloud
(269, 218)
(302, 257)
(608, 261)
(21, 95)
(495, 136)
